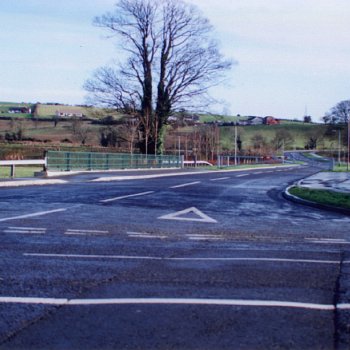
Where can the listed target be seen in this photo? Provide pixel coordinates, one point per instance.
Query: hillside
(93, 128)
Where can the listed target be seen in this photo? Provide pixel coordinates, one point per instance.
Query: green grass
(20, 171)
(240, 167)
(335, 199)
(341, 168)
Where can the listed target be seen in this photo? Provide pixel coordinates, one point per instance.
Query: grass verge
(325, 197)
(241, 167)
(20, 171)
(341, 168)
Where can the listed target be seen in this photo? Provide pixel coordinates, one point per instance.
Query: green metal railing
(66, 161)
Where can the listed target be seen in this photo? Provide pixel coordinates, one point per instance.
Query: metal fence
(67, 161)
(227, 161)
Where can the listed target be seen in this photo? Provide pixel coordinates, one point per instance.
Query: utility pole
(235, 144)
(347, 167)
(339, 140)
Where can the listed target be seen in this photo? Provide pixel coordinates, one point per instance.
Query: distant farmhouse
(18, 110)
(253, 120)
(271, 121)
(69, 113)
(189, 119)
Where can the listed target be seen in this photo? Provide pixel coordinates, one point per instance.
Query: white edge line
(172, 301)
(41, 213)
(127, 196)
(180, 259)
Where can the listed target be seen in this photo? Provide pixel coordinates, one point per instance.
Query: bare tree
(128, 132)
(171, 62)
(283, 138)
(340, 113)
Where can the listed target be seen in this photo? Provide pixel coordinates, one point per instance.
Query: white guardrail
(13, 163)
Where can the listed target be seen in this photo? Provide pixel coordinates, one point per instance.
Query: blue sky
(291, 54)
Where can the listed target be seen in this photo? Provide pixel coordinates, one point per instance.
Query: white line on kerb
(134, 257)
(40, 213)
(127, 196)
(185, 185)
(171, 301)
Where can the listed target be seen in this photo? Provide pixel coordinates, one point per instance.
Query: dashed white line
(202, 237)
(241, 175)
(326, 241)
(145, 235)
(220, 179)
(186, 184)
(126, 196)
(25, 230)
(85, 232)
(173, 301)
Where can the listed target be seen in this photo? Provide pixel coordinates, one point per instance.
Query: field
(25, 135)
(20, 171)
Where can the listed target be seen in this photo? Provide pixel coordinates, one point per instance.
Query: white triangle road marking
(179, 216)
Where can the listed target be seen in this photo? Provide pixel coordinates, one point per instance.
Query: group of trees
(170, 62)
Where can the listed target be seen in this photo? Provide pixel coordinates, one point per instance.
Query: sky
(292, 56)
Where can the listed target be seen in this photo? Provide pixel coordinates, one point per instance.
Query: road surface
(199, 261)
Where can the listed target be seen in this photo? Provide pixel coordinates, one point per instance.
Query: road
(199, 261)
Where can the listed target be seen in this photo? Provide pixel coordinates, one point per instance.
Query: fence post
(13, 168)
(45, 158)
(68, 161)
(107, 161)
(89, 162)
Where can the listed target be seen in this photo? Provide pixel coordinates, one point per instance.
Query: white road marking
(85, 232)
(326, 241)
(242, 175)
(202, 237)
(186, 184)
(208, 259)
(40, 213)
(144, 235)
(220, 179)
(94, 256)
(179, 216)
(26, 230)
(127, 196)
(172, 301)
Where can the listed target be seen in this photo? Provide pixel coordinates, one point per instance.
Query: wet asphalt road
(201, 261)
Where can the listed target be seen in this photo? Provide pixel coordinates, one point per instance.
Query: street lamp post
(347, 166)
(235, 144)
(339, 146)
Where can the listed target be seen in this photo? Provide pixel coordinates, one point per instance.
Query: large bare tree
(340, 113)
(170, 62)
